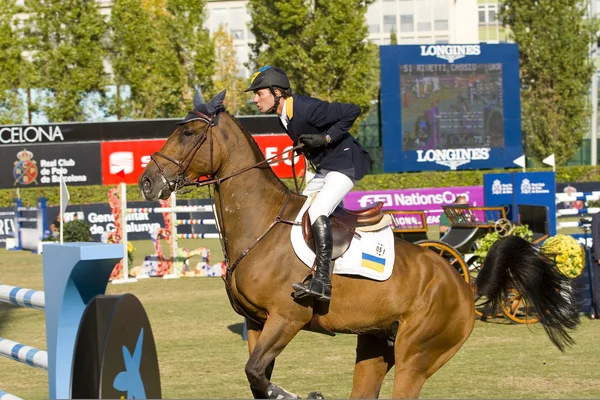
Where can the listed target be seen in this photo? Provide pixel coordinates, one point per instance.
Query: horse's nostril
(146, 184)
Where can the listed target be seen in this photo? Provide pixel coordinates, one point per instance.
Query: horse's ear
(215, 104)
(198, 100)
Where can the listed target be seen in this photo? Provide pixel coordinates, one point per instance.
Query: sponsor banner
(117, 130)
(271, 145)
(429, 200)
(132, 157)
(7, 224)
(537, 188)
(139, 225)
(498, 192)
(41, 165)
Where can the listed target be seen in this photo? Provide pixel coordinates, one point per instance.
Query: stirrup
(302, 290)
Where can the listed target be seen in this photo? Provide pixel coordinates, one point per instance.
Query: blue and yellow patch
(373, 262)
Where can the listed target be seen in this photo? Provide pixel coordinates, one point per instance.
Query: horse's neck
(247, 203)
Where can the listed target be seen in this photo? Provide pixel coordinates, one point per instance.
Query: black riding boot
(320, 284)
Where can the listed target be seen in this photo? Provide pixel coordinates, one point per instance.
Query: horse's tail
(513, 262)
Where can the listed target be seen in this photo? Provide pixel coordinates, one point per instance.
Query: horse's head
(189, 153)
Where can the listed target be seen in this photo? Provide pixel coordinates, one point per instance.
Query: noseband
(181, 180)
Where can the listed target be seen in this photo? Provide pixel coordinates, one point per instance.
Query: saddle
(344, 224)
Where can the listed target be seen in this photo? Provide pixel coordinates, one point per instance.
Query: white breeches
(330, 188)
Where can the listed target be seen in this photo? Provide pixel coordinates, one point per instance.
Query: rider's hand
(313, 140)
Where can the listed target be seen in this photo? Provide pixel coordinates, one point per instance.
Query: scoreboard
(449, 107)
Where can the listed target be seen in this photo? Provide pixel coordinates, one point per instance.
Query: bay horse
(416, 320)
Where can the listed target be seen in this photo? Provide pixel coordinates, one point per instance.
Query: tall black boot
(320, 284)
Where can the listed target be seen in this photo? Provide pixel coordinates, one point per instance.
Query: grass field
(202, 355)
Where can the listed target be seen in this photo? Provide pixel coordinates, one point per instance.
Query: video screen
(451, 106)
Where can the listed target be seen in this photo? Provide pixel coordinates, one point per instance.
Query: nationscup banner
(429, 200)
(41, 165)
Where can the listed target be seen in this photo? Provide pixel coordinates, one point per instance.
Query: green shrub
(77, 231)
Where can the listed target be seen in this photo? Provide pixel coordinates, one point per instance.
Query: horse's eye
(188, 132)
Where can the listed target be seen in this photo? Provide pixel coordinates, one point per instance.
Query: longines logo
(453, 158)
(451, 53)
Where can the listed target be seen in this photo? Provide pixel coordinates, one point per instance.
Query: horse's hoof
(275, 392)
(315, 395)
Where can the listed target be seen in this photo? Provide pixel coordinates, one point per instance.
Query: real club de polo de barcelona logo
(25, 170)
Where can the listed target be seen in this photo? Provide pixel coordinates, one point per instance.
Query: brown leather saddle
(343, 226)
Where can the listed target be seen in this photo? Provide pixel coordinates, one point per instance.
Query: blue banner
(450, 106)
(537, 188)
(498, 192)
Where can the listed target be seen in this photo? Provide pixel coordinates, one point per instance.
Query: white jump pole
(125, 271)
(173, 273)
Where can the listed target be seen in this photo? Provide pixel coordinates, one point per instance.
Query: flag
(64, 200)
(520, 161)
(64, 196)
(549, 161)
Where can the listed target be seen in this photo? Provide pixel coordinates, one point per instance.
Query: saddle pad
(371, 255)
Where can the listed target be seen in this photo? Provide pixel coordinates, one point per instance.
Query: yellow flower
(567, 252)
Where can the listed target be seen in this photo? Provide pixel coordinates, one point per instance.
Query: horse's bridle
(181, 180)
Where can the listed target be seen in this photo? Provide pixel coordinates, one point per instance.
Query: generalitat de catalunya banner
(429, 200)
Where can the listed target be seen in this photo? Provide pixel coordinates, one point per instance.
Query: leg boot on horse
(320, 285)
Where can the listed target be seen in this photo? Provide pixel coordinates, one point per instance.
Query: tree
(322, 46)
(554, 38)
(14, 70)
(161, 53)
(68, 55)
(393, 38)
(226, 75)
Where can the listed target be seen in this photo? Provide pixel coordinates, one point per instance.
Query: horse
(415, 321)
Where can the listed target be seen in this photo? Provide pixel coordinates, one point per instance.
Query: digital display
(451, 106)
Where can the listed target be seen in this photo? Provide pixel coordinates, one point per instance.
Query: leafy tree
(554, 38)
(320, 44)
(68, 55)
(226, 72)
(159, 51)
(13, 72)
(393, 38)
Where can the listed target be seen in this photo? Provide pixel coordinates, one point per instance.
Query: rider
(339, 159)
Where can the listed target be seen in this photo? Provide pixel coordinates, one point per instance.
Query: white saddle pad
(371, 255)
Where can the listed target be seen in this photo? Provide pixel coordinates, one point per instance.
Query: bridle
(181, 180)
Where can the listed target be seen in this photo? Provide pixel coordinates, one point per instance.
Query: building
(413, 21)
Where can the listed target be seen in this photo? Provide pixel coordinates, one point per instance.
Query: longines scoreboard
(449, 107)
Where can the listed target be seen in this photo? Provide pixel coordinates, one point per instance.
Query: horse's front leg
(276, 334)
(254, 330)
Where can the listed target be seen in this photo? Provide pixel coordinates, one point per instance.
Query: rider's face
(264, 100)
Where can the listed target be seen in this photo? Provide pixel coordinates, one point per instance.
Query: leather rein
(181, 181)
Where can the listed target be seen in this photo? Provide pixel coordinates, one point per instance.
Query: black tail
(513, 262)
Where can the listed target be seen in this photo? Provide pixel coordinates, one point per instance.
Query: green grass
(202, 355)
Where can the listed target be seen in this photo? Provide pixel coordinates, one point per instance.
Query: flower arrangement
(568, 254)
(130, 250)
(484, 243)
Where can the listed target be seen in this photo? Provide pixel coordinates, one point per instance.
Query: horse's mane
(256, 149)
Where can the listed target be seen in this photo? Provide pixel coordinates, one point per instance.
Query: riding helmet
(269, 77)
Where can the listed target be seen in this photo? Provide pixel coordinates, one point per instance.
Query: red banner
(272, 145)
(132, 156)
